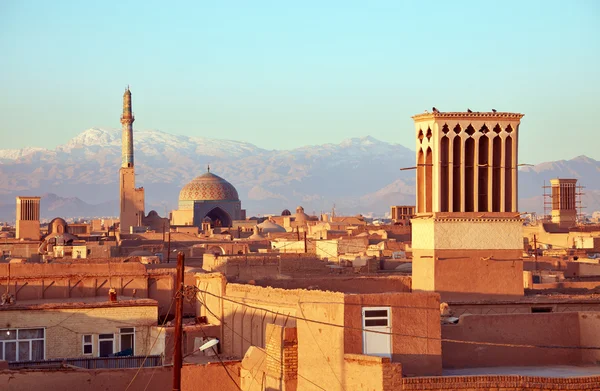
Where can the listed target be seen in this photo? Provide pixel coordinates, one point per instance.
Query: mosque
(208, 201)
(208, 198)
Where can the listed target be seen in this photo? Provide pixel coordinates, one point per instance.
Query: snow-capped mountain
(358, 174)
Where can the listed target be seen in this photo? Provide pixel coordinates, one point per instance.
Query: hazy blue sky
(281, 76)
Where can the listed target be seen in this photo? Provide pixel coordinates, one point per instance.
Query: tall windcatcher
(127, 137)
(467, 236)
(564, 194)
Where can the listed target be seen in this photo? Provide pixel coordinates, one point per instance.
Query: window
(106, 344)
(377, 327)
(22, 344)
(535, 310)
(87, 344)
(127, 337)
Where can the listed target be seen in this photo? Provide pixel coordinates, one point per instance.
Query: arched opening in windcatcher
(421, 182)
(456, 173)
(496, 173)
(508, 174)
(469, 175)
(483, 167)
(429, 180)
(444, 173)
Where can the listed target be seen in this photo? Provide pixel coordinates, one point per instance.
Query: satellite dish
(209, 344)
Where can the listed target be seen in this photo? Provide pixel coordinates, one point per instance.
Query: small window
(87, 344)
(535, 310)
(106, 343)
(127, 338)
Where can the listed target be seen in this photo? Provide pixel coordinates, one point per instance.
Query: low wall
(243, 268)
(350, 284)
(504, 383)
(491, 337)
(582, 269)
(210, 376)
(30, 281)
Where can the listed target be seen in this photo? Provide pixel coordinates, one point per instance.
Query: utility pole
(169, 249)
(177, 354)
(305, 246)
(535, 251)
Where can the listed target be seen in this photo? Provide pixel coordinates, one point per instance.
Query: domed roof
(269, 226)
(208, 187)
(286, 212)
(300, 215)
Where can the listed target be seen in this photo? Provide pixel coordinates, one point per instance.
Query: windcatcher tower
(132, 198)
(467, 234)
(28, 218)
(564, 194)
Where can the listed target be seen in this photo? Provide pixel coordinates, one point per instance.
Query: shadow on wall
(211, 376)
(573, 330)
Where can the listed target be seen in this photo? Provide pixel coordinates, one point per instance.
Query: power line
(499, 344)
(250, 342)
(154, 343)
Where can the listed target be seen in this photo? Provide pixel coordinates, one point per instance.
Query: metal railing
(93, 362)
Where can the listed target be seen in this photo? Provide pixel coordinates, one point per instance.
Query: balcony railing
(93, 362)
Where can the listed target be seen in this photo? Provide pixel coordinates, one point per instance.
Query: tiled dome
(208, 187)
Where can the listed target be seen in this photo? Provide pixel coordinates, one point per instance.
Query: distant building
(402, 214)
(28, 218)
(132, 199)
(564, 201)
(208, 199)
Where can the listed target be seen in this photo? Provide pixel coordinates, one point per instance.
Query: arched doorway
(219, 218)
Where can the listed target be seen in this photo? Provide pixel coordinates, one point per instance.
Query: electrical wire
(498, 344)
(250, 342)
(154, 343)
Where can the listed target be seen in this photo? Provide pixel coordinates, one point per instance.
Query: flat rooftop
(78, 302)
(545, 371)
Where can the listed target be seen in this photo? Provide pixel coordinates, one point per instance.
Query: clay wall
(415, 327)
(469, 274)
(211, 376)
(243, 268)
(554, 305)
(346, 284)
(569, 329)
(582, 269)
(34, 281)
(28, 250)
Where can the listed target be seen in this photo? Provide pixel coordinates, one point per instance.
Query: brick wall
(65, 327)
(504, 383)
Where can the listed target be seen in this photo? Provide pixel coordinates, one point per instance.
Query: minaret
(127, 138)
(132, 199)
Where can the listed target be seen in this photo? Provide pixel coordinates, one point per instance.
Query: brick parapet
(502, 382)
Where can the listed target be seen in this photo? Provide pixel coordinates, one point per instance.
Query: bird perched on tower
(469, 111)
(435, 110)
(493, 110)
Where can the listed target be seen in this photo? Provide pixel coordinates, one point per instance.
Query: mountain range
(358, 175)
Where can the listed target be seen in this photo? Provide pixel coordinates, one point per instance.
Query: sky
(284, 74)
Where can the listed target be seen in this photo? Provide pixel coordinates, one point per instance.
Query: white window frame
(132, 333)
(84, 344)
(16, 340)
(113, 339)
(367, 328)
